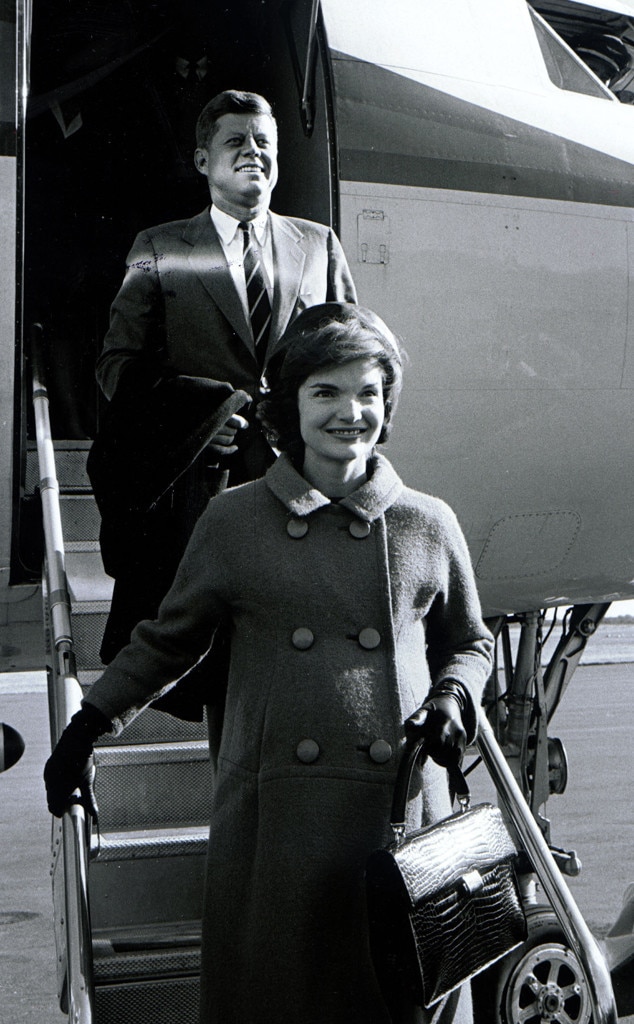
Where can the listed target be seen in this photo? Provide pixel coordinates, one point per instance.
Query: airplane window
(564, 68)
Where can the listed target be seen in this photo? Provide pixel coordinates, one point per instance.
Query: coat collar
(368, 502)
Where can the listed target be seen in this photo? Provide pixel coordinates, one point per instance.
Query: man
(207, 298)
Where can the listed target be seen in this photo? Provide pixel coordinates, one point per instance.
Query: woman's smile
(341, 415)
(346, 431)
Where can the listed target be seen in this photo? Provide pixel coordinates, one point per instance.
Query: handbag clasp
(471, 882)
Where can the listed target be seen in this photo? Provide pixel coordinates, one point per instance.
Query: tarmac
(594, 816)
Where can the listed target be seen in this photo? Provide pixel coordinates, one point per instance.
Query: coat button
(359, 528)
(369, 638)
(307, 751)
(297, 528)
(303, 638)
(380, 751)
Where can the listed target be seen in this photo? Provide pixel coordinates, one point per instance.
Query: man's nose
(250, 145)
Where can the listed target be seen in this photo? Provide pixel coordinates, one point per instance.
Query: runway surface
(595, 817)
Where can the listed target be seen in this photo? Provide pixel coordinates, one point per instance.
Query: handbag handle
(411, 754)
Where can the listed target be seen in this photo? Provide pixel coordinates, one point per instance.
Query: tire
(539, 982)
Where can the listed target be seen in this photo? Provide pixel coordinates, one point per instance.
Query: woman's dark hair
(331, 334)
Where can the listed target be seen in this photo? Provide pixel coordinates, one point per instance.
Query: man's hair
(330, 334)
(232, 101)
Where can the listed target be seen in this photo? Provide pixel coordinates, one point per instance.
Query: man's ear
(200, 160)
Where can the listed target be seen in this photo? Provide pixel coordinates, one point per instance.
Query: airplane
(477, 163)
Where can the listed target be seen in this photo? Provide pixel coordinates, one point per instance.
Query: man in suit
(209, 298)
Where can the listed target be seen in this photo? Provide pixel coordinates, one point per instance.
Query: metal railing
(64, 699)
(579, 936)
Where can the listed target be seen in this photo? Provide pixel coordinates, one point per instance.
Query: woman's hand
(70, 766)
(439, 723)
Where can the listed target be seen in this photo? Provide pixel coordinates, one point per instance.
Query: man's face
(240, 163)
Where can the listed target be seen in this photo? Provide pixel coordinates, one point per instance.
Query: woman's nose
(350, 411)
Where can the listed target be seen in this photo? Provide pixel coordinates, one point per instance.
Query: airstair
(128, 894)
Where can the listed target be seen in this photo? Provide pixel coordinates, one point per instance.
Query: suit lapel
(207, 260)
(288, 260)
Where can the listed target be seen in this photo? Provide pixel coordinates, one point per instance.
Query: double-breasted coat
(342, 615)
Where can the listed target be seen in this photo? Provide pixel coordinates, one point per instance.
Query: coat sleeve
(136, 316)
(161, 651)
(340, 284)
(459, 646)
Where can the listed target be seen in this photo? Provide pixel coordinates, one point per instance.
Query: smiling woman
(355, 625)
(341, 415)
(335, 382)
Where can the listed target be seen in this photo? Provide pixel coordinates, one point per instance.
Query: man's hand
(439, 723)
(225, 438)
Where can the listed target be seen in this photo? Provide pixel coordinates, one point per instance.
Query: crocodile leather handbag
(443, 901)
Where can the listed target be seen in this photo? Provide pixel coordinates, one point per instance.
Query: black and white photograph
(316, 511)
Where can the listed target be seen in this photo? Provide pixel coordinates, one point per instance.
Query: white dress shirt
(232, 242)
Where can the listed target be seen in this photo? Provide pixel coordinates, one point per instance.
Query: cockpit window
(565, 69)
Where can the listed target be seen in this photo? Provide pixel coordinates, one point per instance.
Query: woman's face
(341, 412)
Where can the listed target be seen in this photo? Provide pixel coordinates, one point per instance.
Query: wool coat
(343, 614)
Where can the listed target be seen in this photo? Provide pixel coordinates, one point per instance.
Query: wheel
(539, 982)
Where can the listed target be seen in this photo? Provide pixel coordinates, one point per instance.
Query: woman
(355, 620)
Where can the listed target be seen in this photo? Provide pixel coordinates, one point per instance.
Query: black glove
(439, 722)
(70, 766)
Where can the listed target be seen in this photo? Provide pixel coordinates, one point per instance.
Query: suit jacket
(177, 313)
(178, 305)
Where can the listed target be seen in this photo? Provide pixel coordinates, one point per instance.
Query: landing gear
(543, 981)
(540, 982)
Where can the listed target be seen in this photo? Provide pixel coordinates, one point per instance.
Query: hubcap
(547, 985)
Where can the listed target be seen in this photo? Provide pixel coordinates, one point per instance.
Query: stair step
(70, 465)
(153, 785)
(87, 582)
(147, 845)
(80, 517)
(154, 1002)
(150, 726)
(131, 959)
(89, 621)
(156, 727)
(150, 882)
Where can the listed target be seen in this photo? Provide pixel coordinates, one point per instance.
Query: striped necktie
(257, 294)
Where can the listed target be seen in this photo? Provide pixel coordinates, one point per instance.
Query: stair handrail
(64, 699)
(574, 927)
